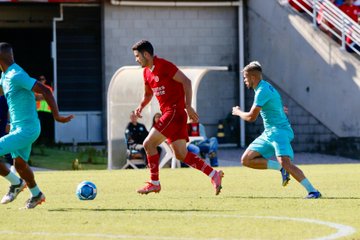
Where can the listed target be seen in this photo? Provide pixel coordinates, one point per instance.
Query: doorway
(32, 50)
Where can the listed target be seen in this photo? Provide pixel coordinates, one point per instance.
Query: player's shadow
(275, 197)
(130, 210)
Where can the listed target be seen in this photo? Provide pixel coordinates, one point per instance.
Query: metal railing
(340, 25)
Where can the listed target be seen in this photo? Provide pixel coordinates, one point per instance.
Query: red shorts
(173, 125)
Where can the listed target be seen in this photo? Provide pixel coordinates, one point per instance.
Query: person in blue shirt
(18, 89)
(207, 147)
(278, 134)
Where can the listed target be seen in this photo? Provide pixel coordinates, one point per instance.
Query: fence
(341, 26)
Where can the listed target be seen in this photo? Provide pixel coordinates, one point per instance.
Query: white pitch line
(342, 230)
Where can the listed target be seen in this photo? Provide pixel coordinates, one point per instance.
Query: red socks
(191, 159)
(196, 162)
(153, 163)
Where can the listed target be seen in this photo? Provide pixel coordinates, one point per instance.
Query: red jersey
(352, 11)
(168, 92)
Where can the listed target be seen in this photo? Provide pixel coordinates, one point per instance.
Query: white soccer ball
(86, 190)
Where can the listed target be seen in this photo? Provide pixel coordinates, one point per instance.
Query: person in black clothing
(135, 134)
(4, 124)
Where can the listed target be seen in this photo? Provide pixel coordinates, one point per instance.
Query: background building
(79, 45)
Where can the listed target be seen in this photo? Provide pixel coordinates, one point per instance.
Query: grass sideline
(186, 208)
(61, 159)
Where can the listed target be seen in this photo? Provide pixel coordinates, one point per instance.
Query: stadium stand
(343, 28)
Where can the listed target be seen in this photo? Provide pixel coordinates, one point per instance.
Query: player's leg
(19, 142)
(257, 154)
(253, 159)
(16, 184)
(154, 139)
(8, 144)
(181, 153)
(26, 173)
(284, 154)
(296, 172)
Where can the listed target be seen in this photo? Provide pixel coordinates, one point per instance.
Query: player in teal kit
(18, 87)
(277, 136)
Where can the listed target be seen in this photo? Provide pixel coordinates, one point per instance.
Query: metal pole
(241, 66)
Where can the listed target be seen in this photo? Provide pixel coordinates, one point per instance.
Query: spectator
(45, 116)
(322, 21)
(207, 147)
(135, 135)
(4, 126)
(350, 9)
(156, 118)
(350, 44)
(298, 7)
(338, 2)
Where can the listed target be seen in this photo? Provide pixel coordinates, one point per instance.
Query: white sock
(157, 183)
(212, 173)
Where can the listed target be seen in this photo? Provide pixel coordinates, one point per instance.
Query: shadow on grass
(131, 210)
(267, 197)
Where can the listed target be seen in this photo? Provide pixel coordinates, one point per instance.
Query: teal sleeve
(261, 98)
(24, 81)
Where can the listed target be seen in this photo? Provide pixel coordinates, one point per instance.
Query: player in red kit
(174, 93)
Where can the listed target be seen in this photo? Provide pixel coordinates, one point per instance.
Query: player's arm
(185, 81)
(39, 97)
(250, 116)
(1, 91)
(148, 94)
(49, 98)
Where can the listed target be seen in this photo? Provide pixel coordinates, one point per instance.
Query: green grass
(186, 208)
(60, 159)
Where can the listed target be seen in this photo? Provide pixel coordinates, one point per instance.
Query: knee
(180, 155)
(148, 145)
(245, 160)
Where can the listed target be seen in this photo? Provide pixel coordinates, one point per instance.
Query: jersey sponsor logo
(156, 79)
(158, 91)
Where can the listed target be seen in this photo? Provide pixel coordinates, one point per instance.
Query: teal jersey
(272, 110)
(17, 87)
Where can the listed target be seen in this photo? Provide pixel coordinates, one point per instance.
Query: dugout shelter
(124, 95)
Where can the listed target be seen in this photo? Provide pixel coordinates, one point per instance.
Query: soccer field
(252, 205)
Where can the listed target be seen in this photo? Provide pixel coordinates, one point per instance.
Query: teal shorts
(274, 143)
(19, 140)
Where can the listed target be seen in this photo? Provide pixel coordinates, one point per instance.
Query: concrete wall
(307, 65)
(187, 36)
(310, 134)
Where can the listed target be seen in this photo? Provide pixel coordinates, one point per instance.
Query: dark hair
(4, 46)
(5, 49)
(153, 120)
(143, 46)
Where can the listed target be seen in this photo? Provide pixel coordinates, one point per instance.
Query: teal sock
(308, 186)
(12, 178)
(273, 165)
(35, 191)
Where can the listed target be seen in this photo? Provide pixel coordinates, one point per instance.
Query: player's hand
(236, 111)
(192, 114)
(64, 119)
(138, 111)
